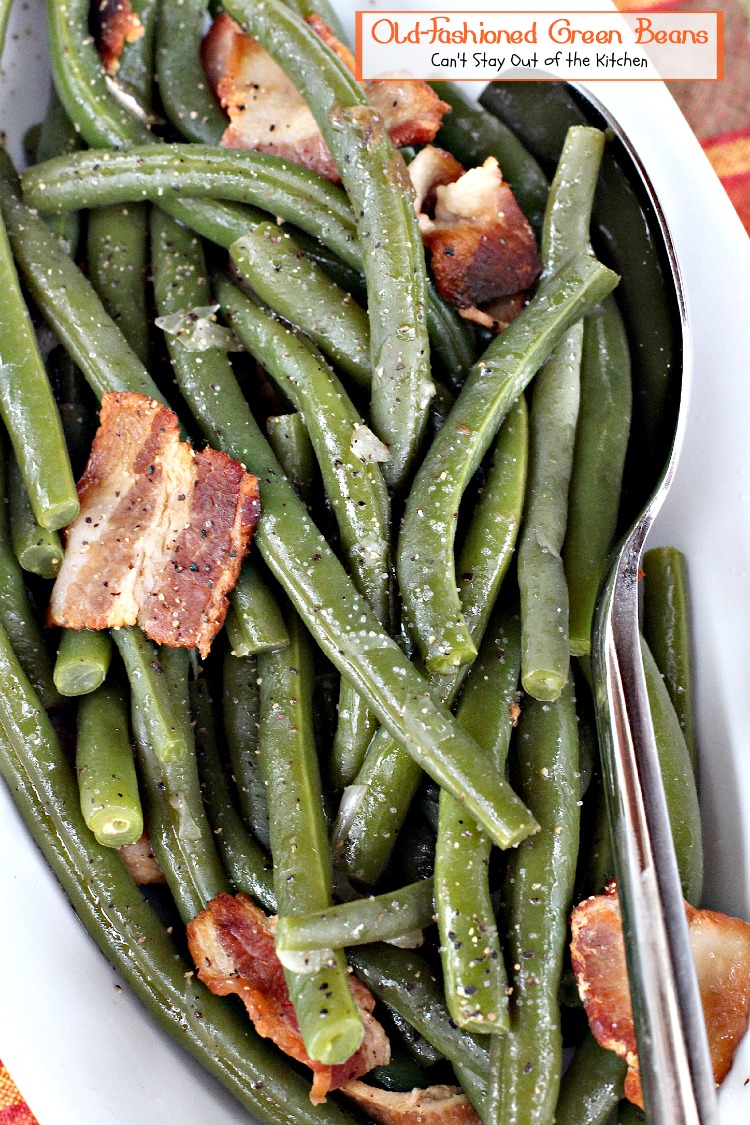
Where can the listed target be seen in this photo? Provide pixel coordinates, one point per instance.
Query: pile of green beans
(399, 468)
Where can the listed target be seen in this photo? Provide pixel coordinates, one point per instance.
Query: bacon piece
(161, 533)
(481, 243)
(232, 945)
(267, 114)
(118, 25)
(721, 949)
(432, 168)
(141, 862)
(437, 1105)
(497, 314)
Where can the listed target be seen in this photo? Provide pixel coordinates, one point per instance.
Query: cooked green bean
(290, 442)
(355, 731)
(666, 627)
(420, 1050)
(591, 1086)
(472, 134)
(16, 615)
(76, 405)
(180, 834)
(254, 622)
(240, 713)
(324, 10)
(186, 96)
(394, 915)
(298, 290)
(679, 781)
(425, 557)
(404, 981)
(552, 429)
(105, 768)
(136, 70)
(58, 137)
(629, 1114)
(376, 181)
(82, 661)
(389, 778)
(476, 985)
(539, 888)
(330, 1026)
(117, 252)
(598, 462)
(246, 864)
(27, 405)
(124, 926)
(158, 711)
(36, 548)
(402, 1073)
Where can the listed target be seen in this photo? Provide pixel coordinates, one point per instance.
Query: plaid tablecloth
(720, 116)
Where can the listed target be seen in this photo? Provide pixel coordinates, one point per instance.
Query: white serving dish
(82, 1050)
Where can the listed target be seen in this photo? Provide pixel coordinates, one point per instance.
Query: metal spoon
(674, 1060)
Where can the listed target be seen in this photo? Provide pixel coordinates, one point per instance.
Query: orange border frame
(360, 12)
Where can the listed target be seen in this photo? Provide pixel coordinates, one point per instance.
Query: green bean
(331, 1027)
(254, 622)
(240, 712)
(472, 134)
(158, 711)
(539, 888)
(136, 70)
(355, 731)
(394, 915)
(629, 1114)
(389, 778)
(591, 1086)
(341, 622)
(180, 835)
(290, 442)
(117, 253)
(406, 983)
(75, 404)
(666, 627)
(355, 488)
(679, 781)
(246, 864)
(553, 418)
(58, 137)
(425, 556)
(16, 615)
(598, 462)
(297, 290)
(324, 10)
(125, 927)
(376, 181)
(451, 338)
(82, 661)
(402, 1073)
(36, 548)
(105, 768)
(167, 173)
(420, 1050)
(26, 403)
(185, 93)
(476, 986)
(68, 302)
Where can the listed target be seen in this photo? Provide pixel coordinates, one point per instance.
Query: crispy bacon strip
(141, 862)
(437, 1105)
(161, 533)
(721, 949)
(232, 945)
(267, 114)
(118, 25)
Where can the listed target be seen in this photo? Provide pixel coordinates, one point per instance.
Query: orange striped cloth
(720, 116)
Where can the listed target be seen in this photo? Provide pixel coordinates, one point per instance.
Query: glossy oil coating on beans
(136, 70)
(539, 888)
(185, 94)
(342, 623)
(425, 556)
(394, 915)
(152, 698)
(105, 768)
(116, 248)
(82, 661)
(591, 1086)
(476, 985)
(330, 1024)
(598, 463)
(666, 625)
(377, 183)
(124, 926)
(27, 406)
(247, 865)
(553, 418)
(240, 709)
(37, 549)
(290, 442)
(254, 622)
(58, 137)
(389, 777)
